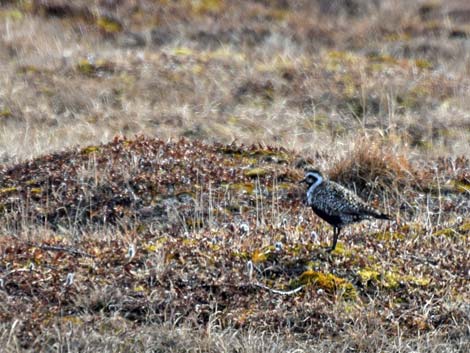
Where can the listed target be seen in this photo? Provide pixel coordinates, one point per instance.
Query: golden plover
(335, 204)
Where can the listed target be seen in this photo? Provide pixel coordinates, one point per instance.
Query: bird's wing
(344, 201)
(354, 205)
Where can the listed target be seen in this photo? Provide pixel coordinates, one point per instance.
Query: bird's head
(312, 176)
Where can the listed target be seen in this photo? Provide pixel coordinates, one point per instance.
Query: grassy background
(182, 245)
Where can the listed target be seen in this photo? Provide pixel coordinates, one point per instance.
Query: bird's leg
(336, 231)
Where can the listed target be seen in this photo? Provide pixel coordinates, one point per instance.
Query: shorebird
(335, 204)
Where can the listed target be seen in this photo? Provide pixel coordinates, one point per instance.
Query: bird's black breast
(334, 220)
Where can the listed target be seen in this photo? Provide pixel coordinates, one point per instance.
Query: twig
(60, 248)
(276, 291)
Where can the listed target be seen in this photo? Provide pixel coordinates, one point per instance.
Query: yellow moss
(342, 56)
(183, 51)
(340, 250)
(383, 59)
(389, 279)
(255, 172)
(419, 281)
(328, 282)
(461, 186)
(465, 227)
(247, 188)
(13, 14)
(109, 25)
(90, 149)
(223, 54)
(152, 247)
(86, 67)
(71, 319)
(139, 288)
(423, 64)
(5, 113)
(367, 275)
(388, 236)
(194, 222)
(415, 95)
(395, 37)
(197, 69)
(9, 189)
(447, 232)
(260, 255)
(207, 6)
(433, 25)
(278, 14)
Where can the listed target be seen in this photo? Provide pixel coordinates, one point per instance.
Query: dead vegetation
(154, 242)
(120, 232)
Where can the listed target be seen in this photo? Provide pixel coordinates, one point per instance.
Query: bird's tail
(372, 212)
(380, 215)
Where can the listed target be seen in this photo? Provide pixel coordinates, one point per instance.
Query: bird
(336, 204)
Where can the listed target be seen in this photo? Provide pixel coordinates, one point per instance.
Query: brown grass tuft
(373, 163)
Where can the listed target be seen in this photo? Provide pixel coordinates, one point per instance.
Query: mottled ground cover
(216, 237)
(189, 232)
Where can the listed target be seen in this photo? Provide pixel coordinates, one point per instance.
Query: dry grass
(373, 92)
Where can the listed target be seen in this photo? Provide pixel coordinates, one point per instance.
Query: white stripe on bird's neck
(312, 188)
